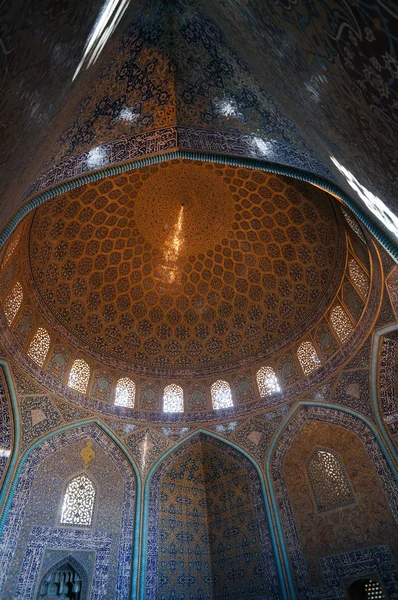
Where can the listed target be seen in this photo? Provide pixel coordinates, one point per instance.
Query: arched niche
(325, 548)
(207, 527)
(32, 523)
(65, 579)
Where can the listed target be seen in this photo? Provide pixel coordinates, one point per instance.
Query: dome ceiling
(185, 266)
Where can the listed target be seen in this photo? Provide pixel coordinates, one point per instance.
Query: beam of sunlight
(106, 23)
(376, 205)
(173, 248)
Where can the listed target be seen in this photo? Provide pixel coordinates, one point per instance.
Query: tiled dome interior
(185, 265)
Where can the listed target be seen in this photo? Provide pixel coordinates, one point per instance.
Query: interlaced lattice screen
(373, 590)
(308, 357)
(221, 395)
(12, 244)
(328, 481)
(354, 225)
(125, 392)
(359, 277)
(78, 505)
(267, 381)
(341, 322)
(13, 302)
(39, 346)
(79, 375)
(173, 398)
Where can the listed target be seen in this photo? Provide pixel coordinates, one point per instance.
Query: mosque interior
(198, 300)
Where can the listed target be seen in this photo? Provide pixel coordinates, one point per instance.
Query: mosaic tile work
(36, 527)
(6, 435)
(388, 375)
(146, 446)
(353, 390)
(38, 415)
(287, 369)
(207, 481)
(82, 561)
(150, 284)
(392, 287)
(354, 438)
(337, 569)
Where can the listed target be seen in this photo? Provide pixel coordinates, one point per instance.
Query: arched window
(125, 392)
(78, 505)
(341, 322)
(221, 394)
(13, 302)
(267, 381)
(354, 225)
(173, 398)
(365, 588)
(308, 357)
(359, 277)
(328, 481)
(12, 244)
(79, 376)
(39, 346)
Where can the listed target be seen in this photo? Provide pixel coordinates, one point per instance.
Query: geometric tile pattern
(149, 281)
(146, 445)
(33, 524)
(38, 415)
(206, 481)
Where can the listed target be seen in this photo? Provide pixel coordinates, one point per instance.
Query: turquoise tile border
(17, 434)
(249, 163)
(8, 500)
(285, 593)
(289, 417)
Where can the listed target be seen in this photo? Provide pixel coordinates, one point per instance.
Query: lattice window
(39, 346)
(79, 375)
(78, 505)
(373, 590)
(12, 244)
(267, 381)
(328, 480)
(125, 392)
(308, 357)
(173, 398)
(341, 322)
(354, 225)
(221, 395)
(359, 277)
(13, 302)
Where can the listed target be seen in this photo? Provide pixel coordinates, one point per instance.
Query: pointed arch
(125, 392)
(42, 448)
(173, 399)
(341, 323)
(279, 554)
(79, 375)
(39, 346)
(328, 479)
(78, 501)
(323, 412)
(308, 357)
(267, 381)
(13, 303)
(69, 559)
(221, 395)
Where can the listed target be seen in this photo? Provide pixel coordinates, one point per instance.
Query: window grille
(221, 395)
(173, 398)
(125, 392)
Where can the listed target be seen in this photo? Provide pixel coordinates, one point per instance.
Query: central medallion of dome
(185, 266)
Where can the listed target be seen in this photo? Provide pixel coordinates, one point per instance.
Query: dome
(185, 267)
